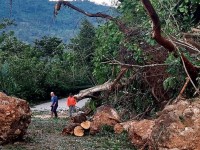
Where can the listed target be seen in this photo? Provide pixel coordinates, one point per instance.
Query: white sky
(107, 2)
(101, 2)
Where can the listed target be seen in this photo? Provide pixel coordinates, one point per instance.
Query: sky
(101, 2)
(106, 2)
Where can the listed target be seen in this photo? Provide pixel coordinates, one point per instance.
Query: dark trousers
(71, 109)
(54, 110)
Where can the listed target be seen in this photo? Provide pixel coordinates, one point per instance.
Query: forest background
(32, 65)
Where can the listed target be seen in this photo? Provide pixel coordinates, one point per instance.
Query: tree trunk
(69, 129)
(79, 118)
(107, 86)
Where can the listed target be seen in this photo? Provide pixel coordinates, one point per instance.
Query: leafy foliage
(52, 65)
(108, 46)
(82, 48)
(31, 72)
(140, 49)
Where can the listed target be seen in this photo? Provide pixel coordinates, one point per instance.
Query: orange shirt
(71, 101)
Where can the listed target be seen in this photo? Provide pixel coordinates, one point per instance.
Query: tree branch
(115, 62)
(157, 27)
(188, 38)
(192, 70)
(120, 24)
(190, 78)
(107, 86)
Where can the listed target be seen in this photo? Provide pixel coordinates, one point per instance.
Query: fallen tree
(176, 127)
(107, 86)
(191, 70)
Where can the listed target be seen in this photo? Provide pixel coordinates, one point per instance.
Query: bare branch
(120, 75)
(115, 62)
(182, 58)
(195, 30)
(121, 25)
(182, 43)
(188, 38)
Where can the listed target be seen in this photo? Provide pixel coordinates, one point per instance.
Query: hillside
(34, 18)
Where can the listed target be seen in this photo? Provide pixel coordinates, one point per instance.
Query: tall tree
(83, 47)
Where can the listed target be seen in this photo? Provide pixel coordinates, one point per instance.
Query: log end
(118, 128)
(78, 131)
(86, 124)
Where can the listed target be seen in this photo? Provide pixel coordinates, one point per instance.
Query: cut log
(105, 115)
(118, 128)
(86, 124)
(69, 129)
(78, 131)
(79, 118)
(124, 126)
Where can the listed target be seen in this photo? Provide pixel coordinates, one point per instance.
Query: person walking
(54, 104)
(71, 102)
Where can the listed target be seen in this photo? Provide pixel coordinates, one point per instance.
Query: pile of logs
(80, 125)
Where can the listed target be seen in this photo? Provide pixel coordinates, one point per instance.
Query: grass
(45, 134)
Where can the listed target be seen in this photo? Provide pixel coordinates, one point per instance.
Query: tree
(136, 49)
(83, 47)
(49, 47)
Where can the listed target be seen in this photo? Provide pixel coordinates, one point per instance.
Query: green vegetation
(65, 63)
(32, 71)
(91, 57)
(82, 49)
(154, 85)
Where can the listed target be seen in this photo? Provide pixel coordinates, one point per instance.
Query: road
(61, 105)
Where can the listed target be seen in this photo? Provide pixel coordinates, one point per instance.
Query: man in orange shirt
(71, 102)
